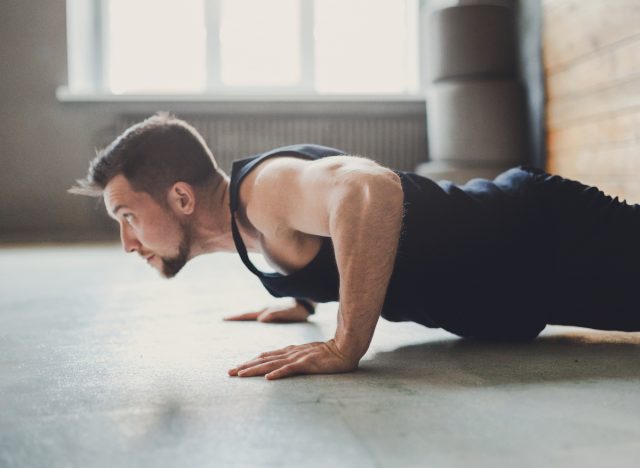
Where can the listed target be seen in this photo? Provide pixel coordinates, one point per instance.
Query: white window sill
(65, 95)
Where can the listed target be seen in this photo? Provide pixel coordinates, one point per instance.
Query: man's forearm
(365, 229)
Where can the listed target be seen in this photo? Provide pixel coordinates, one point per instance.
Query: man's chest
(289, 251)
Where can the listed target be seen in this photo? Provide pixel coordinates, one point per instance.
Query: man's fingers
(248, 364)
(245, 316)
(286, 350)
(291, 353)
(281, 316)
(310, 358)
(261, 369)
(271, 316)
(286, 371)
(278, 352)
(262, 360)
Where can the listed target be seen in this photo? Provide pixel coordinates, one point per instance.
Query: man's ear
(182, 198)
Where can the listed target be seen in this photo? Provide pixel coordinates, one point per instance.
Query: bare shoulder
(297, 173)
(285, 186)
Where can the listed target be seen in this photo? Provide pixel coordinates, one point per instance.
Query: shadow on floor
(571, 356)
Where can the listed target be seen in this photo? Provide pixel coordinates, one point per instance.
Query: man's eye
(128, 218)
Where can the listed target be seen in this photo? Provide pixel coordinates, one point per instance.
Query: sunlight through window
(362, 46)
(155, 46)
(259, 43)
(220, 47)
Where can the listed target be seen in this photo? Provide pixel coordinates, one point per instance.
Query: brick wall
(591, 52)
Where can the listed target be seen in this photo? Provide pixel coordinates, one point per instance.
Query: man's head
(150, 178)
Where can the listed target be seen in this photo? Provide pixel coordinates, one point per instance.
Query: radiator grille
(395, 141)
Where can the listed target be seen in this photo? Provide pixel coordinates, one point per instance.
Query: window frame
(87, 44)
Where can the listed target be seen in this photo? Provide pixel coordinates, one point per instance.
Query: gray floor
(102, 363)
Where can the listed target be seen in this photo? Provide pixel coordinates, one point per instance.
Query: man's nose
(129, 240)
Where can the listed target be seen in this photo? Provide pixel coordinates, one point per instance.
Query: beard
(172, 265)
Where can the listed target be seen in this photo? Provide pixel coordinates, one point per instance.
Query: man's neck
(212, 229)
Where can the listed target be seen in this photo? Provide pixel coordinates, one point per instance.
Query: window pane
(364, 46)
(260, 42)
(156, 46)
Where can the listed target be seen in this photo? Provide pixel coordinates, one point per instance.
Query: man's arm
(359, 204)
(365, 226)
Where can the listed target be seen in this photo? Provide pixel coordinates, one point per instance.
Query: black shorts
(586, 246)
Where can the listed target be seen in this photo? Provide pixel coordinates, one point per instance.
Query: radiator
(396, 141)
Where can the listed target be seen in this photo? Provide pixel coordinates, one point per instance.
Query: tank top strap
(241, 248)
(242, 167)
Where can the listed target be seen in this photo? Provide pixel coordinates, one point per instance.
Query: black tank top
(460, 246)
(318, 280)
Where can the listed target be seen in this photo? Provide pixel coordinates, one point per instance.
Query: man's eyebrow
(117, 208)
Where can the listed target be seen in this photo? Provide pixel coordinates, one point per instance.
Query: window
(243, 46)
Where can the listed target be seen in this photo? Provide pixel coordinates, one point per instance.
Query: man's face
(148, 228)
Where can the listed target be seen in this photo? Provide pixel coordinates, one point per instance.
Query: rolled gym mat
(472, 41)
(477, 121)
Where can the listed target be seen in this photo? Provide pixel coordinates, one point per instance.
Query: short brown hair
(153, 155)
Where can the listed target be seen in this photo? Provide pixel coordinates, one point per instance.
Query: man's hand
(276, 314)
(310, 358)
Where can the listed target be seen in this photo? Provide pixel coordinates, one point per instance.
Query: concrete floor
(104, 364)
